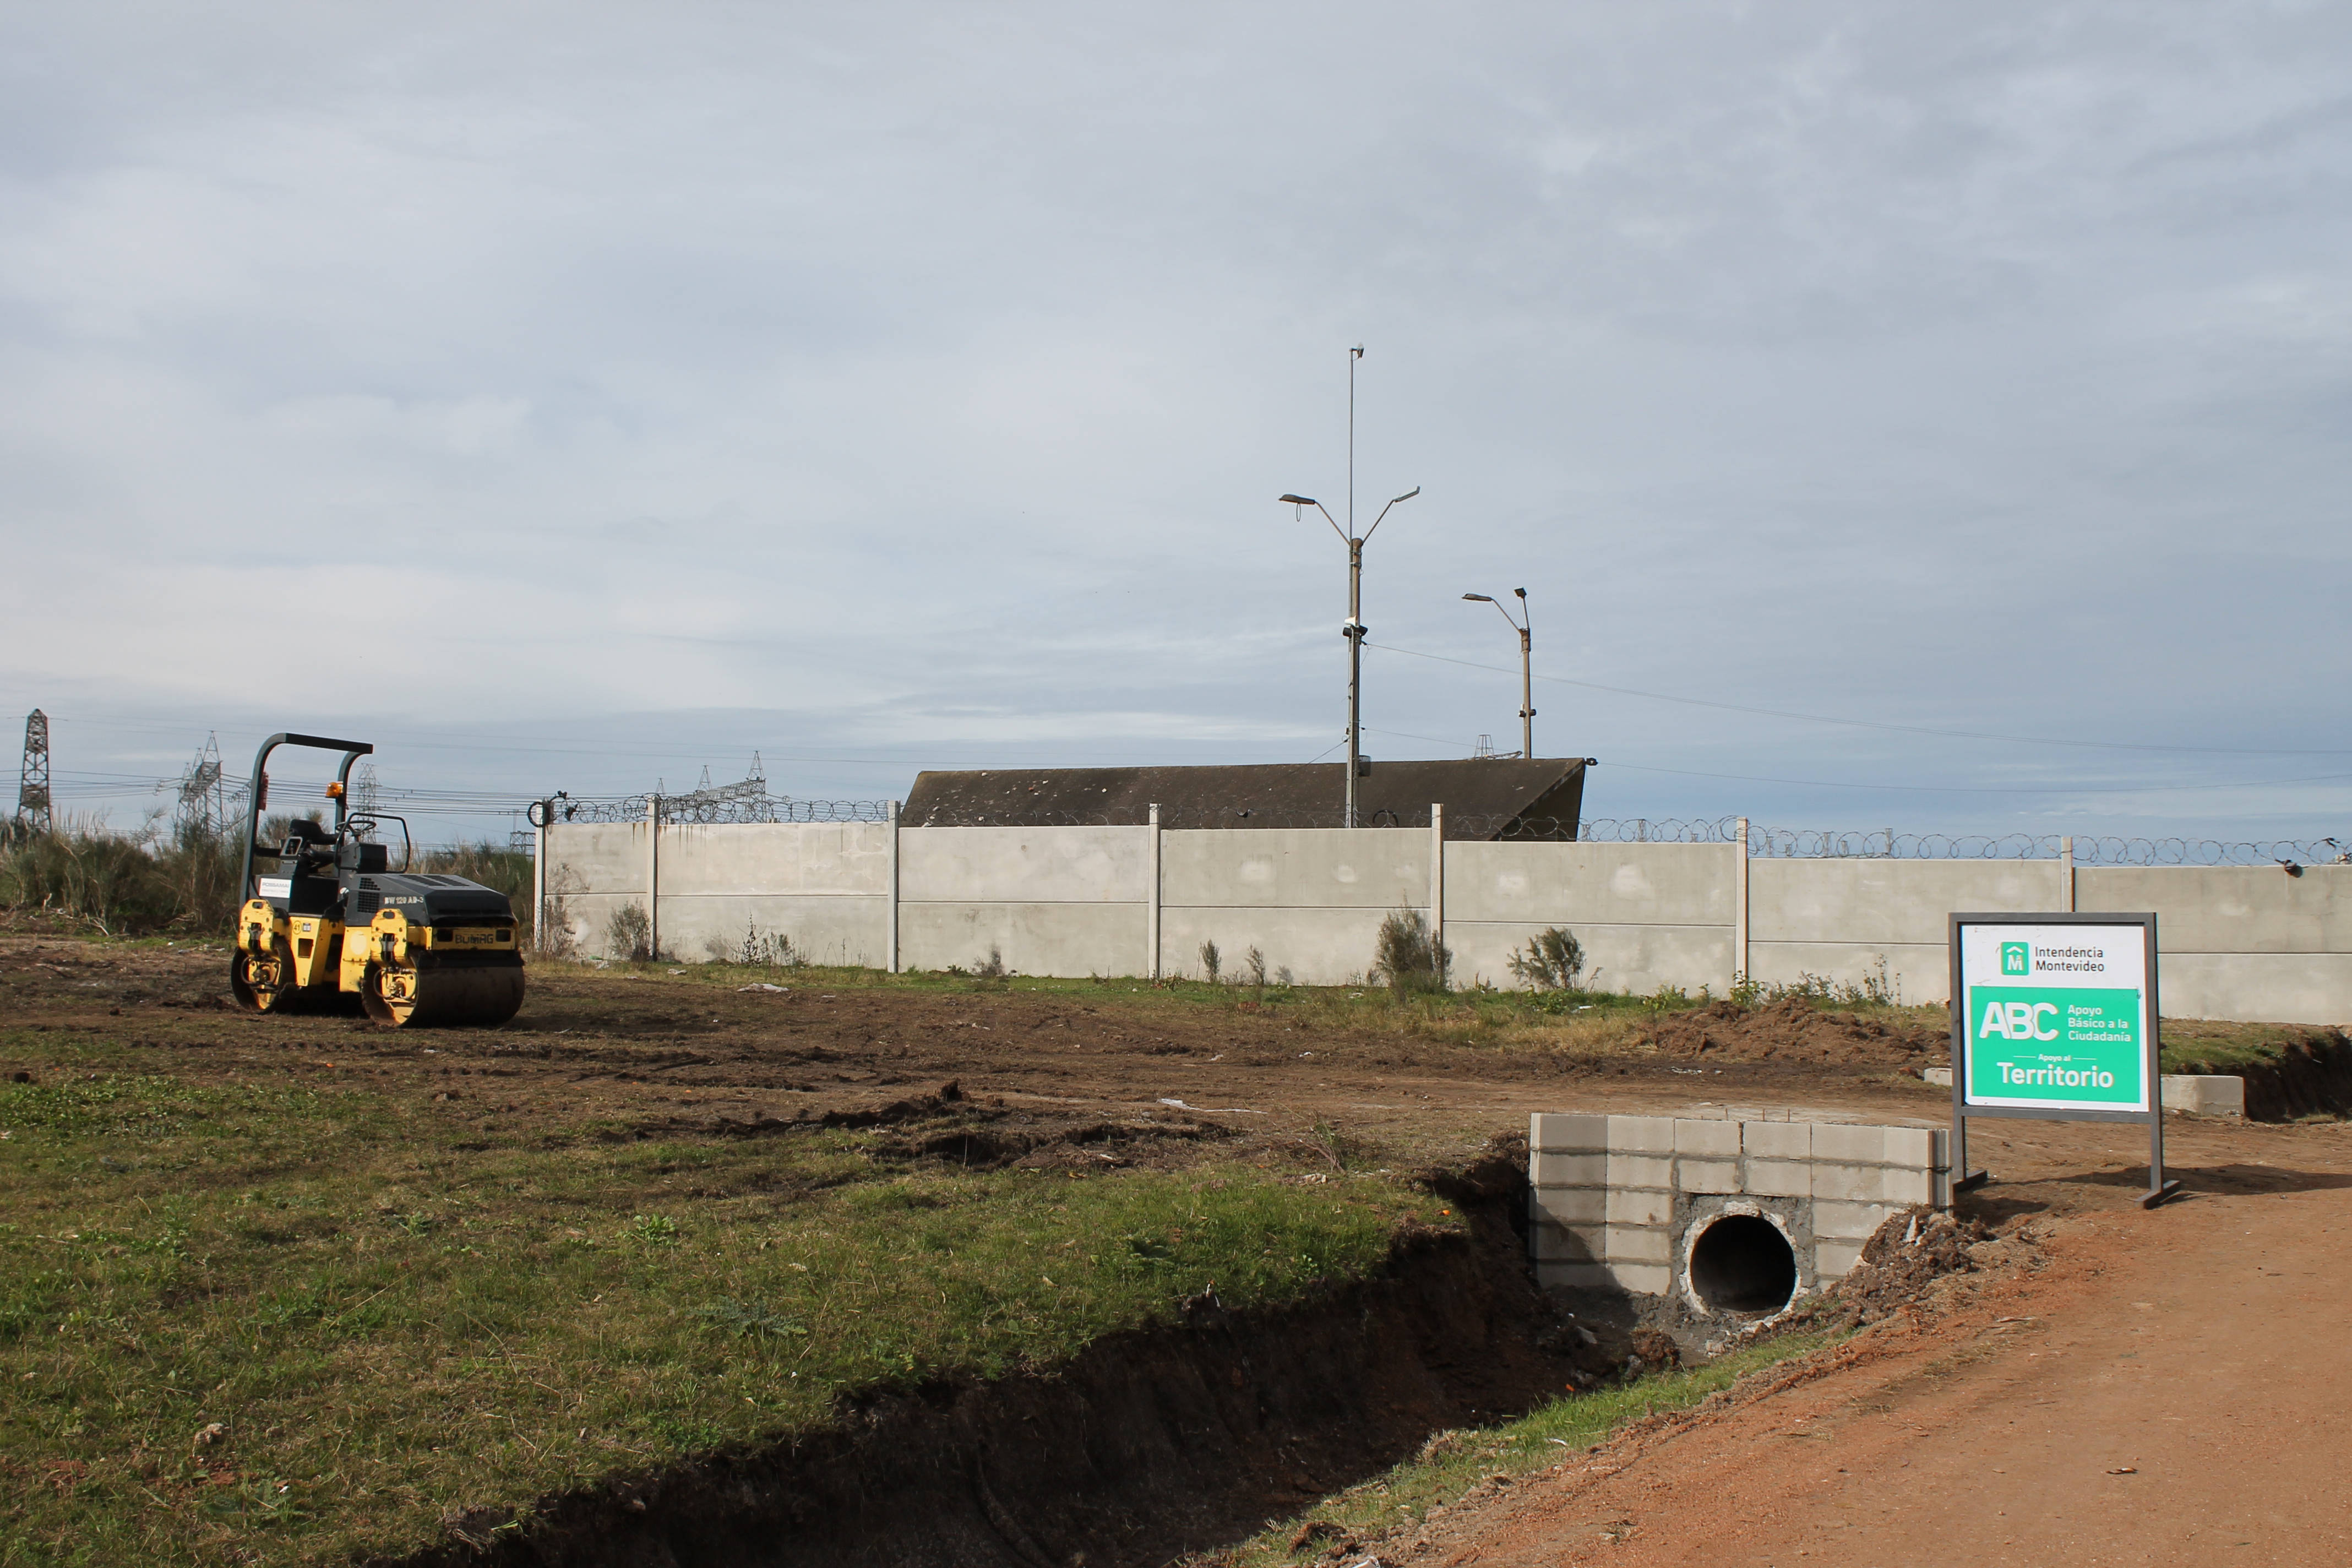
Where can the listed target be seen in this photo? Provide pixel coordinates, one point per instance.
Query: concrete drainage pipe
(1743, 1263)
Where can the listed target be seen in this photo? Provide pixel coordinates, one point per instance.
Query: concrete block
(1778, 1139)
(1641, 1170)
(1912, 1146)
(2205, 1094)
(1835, 1259)
(1780, 1178)
(1942, 1159)
(1639, 1205)
(1848, 1221)
(1641, 1135)
(1940, 1077)
(1574, 1276)
(1636, 1244)
(1853, 1184)
(1849, 1145)
(1718, 1138)
(1898, 1187)
(1548, 1134)
(1569, 1171)
(1569, 1205)
(1707, 1175)
(1643, 1279)
(1939, 1188)
(1571, 1243)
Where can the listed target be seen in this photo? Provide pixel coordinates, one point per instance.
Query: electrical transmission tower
(33, 780)
(204, 798)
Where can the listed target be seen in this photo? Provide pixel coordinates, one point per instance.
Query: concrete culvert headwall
(1743, 1263)
(1701, 1227)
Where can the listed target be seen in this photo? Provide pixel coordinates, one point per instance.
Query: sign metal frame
(2151, 1044)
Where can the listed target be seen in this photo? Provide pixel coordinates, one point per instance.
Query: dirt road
(2169, 1387)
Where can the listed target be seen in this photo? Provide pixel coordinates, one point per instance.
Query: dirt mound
(1791, 1031)
(1903, 1258)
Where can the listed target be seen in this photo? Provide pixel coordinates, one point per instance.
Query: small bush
(1254, 967)
(1553, 960)
(1213, 963)
(629, 934)
(1406, 957)
(994, 968)
(757, 949)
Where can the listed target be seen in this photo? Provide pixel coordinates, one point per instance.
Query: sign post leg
(2158, 1189)
(1963, 1179)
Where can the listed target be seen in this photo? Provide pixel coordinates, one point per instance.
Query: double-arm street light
(1527, 667)
(1354, 629)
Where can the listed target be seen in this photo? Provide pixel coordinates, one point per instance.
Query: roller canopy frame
(255, 797)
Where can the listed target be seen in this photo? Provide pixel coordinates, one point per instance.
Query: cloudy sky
(577, 395)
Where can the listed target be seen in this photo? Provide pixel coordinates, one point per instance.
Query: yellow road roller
(336, 926)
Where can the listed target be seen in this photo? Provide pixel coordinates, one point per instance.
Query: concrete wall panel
(586, 915)
(1915, 972)
(764, 858)
(1070, 939)
(1633, 958)
(1873, 901)
(1023, 864)
(824, 929)
(1304, 868)
(2230, 908)
(2271, 987)
(1599, 884)
(596, 858)
(1319, 947)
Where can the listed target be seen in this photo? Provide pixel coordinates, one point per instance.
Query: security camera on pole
(1353, 628)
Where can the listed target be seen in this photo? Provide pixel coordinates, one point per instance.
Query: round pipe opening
(1742, 1263)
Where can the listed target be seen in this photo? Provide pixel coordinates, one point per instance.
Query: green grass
(392, 1314)
(2222, 1046)
(1454, 1462)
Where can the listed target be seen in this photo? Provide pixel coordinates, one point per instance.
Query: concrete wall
(1841, 919)
(2238, 942)
(1309, 899)
(1046, 901)
(1646, 914)
(2241, 941)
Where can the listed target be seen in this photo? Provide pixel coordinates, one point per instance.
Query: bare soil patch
(1791, 1031)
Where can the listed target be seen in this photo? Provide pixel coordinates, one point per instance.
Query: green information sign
(2065, 1044)
(2054, 1016)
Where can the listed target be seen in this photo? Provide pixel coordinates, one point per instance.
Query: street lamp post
(1527, 667)
(1353, 629)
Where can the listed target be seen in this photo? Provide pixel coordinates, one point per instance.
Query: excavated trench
(1152, 1443)
(2311, 1075)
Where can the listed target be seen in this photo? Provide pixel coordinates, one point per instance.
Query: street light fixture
(1527, 667)
(1353, 628)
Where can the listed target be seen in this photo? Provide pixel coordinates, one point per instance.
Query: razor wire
(713, 809)
(1764, 842)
